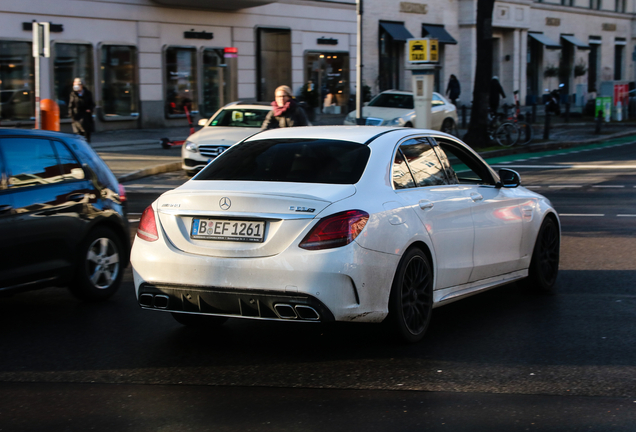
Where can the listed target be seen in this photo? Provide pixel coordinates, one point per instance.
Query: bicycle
(525, 129)
(502, 131)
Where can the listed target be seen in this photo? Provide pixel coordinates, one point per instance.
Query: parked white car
(225, 128)
(395, 108)
(339, 223)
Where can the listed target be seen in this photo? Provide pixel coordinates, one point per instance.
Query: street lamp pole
(359, 65)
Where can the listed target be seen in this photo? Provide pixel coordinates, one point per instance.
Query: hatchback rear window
(291, 160)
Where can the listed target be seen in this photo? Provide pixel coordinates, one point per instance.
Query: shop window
(389, 61)
(181, 80)
(71, 61)
(216, 82)
(328, 76)
(273, 61)
(17, 99)
(119, 83)
(619, 53)
(593, 66)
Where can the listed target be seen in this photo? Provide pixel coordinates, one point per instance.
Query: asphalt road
(507, 359)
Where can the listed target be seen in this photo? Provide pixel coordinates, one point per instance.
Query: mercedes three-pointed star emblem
(225, 203)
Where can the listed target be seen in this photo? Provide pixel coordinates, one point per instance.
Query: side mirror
(202, 122)
(508, 178)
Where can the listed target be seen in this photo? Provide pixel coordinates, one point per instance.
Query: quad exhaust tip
(286, 311)
(157, 301)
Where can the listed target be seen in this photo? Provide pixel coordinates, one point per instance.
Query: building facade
(145, 60)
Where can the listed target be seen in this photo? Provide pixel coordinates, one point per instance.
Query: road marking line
(626, 215)
(609, 186)
(580, 215)
(133, 220)
(565, 186)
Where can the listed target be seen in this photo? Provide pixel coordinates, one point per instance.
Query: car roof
(6, 131)
(251, 105)
(359, 134)
(401, 92)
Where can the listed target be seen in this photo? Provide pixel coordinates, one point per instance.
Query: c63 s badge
(302, 209)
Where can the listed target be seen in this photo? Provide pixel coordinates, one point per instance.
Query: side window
(437, 101)
(423, 162)
(71, 168)
(402, 178)
(30, 162)
(467, 168)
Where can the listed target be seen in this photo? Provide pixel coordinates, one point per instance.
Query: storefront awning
(576, 42)
(543, 39)
(215, 4)
(397, 31)
(438, 32)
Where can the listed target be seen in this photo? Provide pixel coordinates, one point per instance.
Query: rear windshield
(240, 118)
(391, 100)
(291, 160)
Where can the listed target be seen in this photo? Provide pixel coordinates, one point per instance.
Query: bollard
(529, 117)
(546, 127)
(567, 112)
(463, 116)
(599, 121)
(50, 115)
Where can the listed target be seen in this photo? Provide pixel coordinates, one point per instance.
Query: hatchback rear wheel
(411, 300)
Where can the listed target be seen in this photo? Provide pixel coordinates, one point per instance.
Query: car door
(496, 212)
(444, 210)
(47, 210)
(439, 112)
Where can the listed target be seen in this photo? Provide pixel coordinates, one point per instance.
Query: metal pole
(37, 41)
(359, 65)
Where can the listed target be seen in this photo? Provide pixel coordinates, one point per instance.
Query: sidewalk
(133, 154)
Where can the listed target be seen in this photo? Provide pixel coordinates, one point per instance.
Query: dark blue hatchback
(62, 216)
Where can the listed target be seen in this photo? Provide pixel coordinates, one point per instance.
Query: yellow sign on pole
(423, 51)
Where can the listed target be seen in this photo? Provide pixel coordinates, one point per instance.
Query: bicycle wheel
(525, 133)
(507, 134)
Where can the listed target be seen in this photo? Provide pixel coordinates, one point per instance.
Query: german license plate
(227, 230)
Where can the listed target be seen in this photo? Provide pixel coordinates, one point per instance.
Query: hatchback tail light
(122, 193)
(147, 228)
(336, 230)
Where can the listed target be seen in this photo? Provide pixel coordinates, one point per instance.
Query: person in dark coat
(80, 109)
(285, 111)
(453, 89)
(495, 91)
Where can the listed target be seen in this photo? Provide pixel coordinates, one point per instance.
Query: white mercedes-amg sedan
(337, 223)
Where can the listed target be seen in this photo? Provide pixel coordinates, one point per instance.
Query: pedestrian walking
(495, 91)
(80, 109)
(285, 111)
(453, 89)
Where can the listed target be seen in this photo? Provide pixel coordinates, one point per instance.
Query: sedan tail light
(336, 230)
(147, 229)
(122, 193)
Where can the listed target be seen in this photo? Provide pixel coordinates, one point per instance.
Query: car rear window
(291, 160)
(391, 100)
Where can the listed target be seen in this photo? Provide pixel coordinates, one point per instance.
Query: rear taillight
(147, 229)
(122, 193)
(336, 230)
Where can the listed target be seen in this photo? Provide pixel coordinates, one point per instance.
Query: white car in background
(395, 108)
(336, 223)
(229, 125)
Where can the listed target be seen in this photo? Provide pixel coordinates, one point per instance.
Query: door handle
(476, 197)
(426, 204)
(5, 208)
(76, 197)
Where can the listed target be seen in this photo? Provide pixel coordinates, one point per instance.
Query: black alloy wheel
(544, 266)
(411, 301)
(99, 270)
(449, 127)
(201, 321)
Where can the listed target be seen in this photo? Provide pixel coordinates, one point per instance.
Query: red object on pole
(50, 115)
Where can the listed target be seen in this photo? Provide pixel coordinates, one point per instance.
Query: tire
(449, 127)
(201, 321)
(411, 298)
(526, 133)
(544, 266)
(507, 134)
(99, 270)
(408, 125)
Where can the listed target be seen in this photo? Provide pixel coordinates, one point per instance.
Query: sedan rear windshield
(291, 160)
(392, 100)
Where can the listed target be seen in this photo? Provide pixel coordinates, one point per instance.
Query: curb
(150, 171)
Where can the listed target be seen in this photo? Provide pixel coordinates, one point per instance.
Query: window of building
(118, 72)
(328, 74)
(71, 61)
(596, 4)
(274, 61)
(181, 80)
(619, 54)
(620, 6)
(17, 99)
(390, 51)
(593, 63)
(216, 81)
